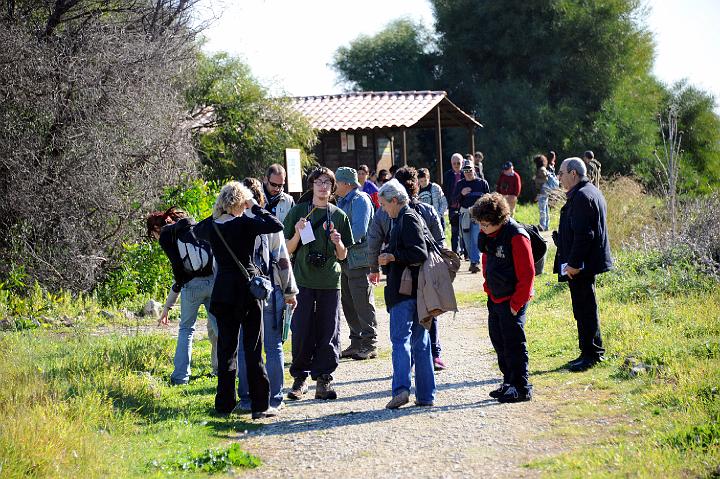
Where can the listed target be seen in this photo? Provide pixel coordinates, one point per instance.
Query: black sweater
(168, 242)
(239, 233)
(407, 244)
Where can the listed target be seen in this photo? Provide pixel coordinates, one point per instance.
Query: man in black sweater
(583, 251)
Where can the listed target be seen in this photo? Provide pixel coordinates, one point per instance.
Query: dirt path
(466, 434)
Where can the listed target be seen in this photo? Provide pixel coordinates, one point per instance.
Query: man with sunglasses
(278, 202)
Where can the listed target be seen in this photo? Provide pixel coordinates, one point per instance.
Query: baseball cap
(507, 165)
(467, 165)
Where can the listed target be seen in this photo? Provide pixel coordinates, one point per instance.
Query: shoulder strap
(243, 270)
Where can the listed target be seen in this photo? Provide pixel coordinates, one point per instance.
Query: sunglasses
(275, 185)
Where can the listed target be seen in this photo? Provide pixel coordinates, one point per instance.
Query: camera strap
(327, 225)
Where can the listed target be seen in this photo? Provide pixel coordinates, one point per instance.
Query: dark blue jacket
(582, 235)
(448, 186)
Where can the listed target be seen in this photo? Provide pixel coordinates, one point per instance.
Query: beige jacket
(435, 290)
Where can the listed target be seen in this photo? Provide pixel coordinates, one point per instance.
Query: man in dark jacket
(583, 251)
(450, 179)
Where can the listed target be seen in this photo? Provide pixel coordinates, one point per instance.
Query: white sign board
(294, 170)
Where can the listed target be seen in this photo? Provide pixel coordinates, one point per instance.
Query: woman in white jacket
(432, 194)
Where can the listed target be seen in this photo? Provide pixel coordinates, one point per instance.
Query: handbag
(357, 255)
(260, 286)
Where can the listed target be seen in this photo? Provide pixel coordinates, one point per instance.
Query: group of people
(328, 252)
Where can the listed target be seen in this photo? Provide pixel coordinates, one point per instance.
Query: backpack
(195, 254)
(538, 246)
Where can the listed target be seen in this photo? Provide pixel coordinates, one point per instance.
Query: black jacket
(582, 235)
(239, 233)
(448, 185)
(168, 242)
(407, 244)
(500, 266)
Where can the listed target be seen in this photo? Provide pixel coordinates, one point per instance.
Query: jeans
(274, 356)
(470, 238)
(544, 212)
(507, 334)
(411, 343)
(197, 291)
(358, 304)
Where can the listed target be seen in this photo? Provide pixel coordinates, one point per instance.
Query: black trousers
(230, 318)
(585, 310)
(455, 236)
(507, 335)
(315, 333)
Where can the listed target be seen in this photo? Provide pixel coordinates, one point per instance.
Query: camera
(316, 259)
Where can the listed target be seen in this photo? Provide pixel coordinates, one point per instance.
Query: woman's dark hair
(383, 176)
(540, 160)
(254, 185)
(408, 177)
(492, 208)
(423, 173)
(364, 168)
(317, 173)
(158, 219)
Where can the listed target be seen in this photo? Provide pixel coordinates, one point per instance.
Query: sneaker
(439, 364)
(424, 403)
(474, 268)
(496, 393)
(511, 395)
(365, 353)
(241, 409)
(298, 390)
(398, 400)
(324, 388)
(349, 352)
(269, 412)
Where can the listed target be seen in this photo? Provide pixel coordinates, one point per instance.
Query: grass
(87, 406)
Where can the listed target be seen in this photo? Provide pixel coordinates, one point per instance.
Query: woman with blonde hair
(232, 235)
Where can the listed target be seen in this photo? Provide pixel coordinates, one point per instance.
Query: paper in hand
(306, 234)
(563, 268)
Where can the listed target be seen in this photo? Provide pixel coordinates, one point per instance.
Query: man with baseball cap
(356, 293)
(509, 185)
(467, 192)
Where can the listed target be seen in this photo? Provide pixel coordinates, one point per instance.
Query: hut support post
(438, 142)
(404, 136)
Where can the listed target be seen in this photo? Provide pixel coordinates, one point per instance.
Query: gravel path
(466, 434)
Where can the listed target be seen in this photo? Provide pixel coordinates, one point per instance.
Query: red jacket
(509, 185)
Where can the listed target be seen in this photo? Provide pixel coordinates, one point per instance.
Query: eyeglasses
(275, 185)
(485, 224)
(321, 184)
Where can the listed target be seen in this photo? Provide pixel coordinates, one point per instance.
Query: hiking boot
(496, 393)
(365, 353)
(298, 390)
(576, 360)
(324, 388)
(439, 364)
(398, 400)
(512, 395)
(474, 268)
(349, 352)
(269, 412)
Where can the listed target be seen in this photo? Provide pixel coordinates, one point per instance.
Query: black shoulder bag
(260, 286)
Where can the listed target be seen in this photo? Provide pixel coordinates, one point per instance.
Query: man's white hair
(232, 194)
(575, 164)
(393, 189)
(457, 156)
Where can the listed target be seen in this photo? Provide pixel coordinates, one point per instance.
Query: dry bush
(91, 103)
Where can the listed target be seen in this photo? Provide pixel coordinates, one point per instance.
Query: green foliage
(143, 268)
(400, 57)
(700, 126)
(248, 130)
(218, 460)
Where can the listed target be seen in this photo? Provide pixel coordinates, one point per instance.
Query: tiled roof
(387, 109)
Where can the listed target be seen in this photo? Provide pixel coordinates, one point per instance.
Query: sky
(289, 43)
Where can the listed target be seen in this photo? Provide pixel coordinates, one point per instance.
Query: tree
(400, 57)
(246, 130)
(538, 74)
(92, 114)
(700, 127)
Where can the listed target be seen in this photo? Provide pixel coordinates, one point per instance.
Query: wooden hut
(369, 127)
